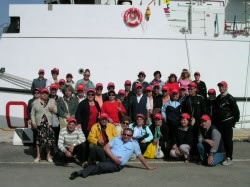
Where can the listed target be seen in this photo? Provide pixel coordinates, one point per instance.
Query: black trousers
(226, 130)
(107, 166)
(79, 151)
(143, 147)
(96, 153)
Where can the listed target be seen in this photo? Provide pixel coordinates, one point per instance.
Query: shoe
(227, 162)
(37, 160)
(74, 175)
(85, 164)
(50, 159)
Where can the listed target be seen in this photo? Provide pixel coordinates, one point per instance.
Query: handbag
(150, 151)
(158, 152)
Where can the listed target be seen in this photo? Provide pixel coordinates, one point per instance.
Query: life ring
(133, 17)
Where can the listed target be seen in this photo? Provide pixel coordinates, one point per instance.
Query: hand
(210, 160)
(71, 148)
(151, 168)
(110, 120)
(210, 142)
(116, 159)
(155, 141)
(177, 152)
(79, 126)
(68, 154)
(119, 109)
(101, 142)
(143, 141)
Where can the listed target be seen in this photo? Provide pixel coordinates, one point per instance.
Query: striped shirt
(67, 138)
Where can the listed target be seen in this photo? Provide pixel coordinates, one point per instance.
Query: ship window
(120, 2)
(14, 26)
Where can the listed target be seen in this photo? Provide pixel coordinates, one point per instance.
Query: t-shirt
(111, 108)
(92, 117)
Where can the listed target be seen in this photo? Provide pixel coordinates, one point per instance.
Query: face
(86, 75)
(91, 96)
(197, 77)
(149, 93)
(184, 122)
(80, 93)
(205, 124)
(182, 92)
(125, 124)
(156, 90)
(139, 121)
(222, 88)
(192, 91)
(53, 91)
(127, 87)
(41, 75)
(172, 79)
(141, 77)
(186, 74)
(71, 126)
(121, 96)
(165, 92)
(61, 85)
(175, 96)
(54, 75)
(211, 96)
(111, 96)
(157, 76)
(127, 135)
(99, 91)
(44, 96)
(104, 121)
(111, 88)
(37, 94)
(69, 79)
(139, 90)
(158, 122)
(68, 93)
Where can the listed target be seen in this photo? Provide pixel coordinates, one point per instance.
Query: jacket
(95, 132)
(137, 108)
(39, 83)
(62, 108)
(164, 132)
(201, 89)
(183, 136)
(146, 133)
(144, 86)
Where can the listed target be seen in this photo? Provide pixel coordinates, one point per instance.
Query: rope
(246, 88)
(188, 55)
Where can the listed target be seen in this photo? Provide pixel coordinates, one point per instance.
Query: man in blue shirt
(119, 150)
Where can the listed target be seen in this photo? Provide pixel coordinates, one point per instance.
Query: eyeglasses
(37, 92)
(128, 135)
(125, 123)
(91, 94)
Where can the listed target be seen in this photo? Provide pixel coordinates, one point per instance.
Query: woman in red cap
(183, 140)
(41, 117)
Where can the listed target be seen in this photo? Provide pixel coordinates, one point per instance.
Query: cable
(188, 55)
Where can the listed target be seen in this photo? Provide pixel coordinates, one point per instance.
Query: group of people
(178, 117)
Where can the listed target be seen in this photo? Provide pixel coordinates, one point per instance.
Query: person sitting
(183, 139)
(100, 134)
(118, 152)
(71, 142)
(160, 133)
(210, 144)
(142, 133)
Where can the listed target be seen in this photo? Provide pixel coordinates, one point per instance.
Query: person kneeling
(210, 146)
(119, 150)
(72, 142)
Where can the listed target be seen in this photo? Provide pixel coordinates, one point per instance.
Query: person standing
(157, 80)
(201, 86)
(80, 95)
(85, 81)
(40, 82)
(211, 103)
(99, 97)
(172, 83)
(141, 79)
(226, 115)
(128, 94)
(54, 78)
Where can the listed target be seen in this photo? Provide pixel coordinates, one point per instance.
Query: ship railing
(15, 80)
(236, 28)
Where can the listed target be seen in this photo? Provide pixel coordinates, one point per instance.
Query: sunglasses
(156, 88)
(111, 94)
(128, 135)
(125, 123)
(37, 92)
(190, 88)
(91, 94)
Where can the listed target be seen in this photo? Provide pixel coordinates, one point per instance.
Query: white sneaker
(37, 160)
(227, 162)
(50, 159)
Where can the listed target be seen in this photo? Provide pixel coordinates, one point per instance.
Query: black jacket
(183, 137)
(83, 113)
(202, 89)
(164, 132)
(226, 109)
(137, 108)
(158, 101)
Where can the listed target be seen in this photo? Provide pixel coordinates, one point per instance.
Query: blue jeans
(217, 157)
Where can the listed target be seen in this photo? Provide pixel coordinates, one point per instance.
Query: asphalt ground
(18, 169)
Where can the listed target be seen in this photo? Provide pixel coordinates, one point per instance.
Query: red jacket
(112, 110)
(172, 86)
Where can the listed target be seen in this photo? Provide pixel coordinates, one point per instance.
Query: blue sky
(4, 9)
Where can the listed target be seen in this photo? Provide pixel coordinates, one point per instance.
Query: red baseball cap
(127, 82)
(80, 87)
(142, 73)
(185, 115)
(182, 88)
(149, 88)
(99, 85)
(53, 86)
(158, 116)
(211, 91)
(44, 90)
(55, 70)
(205, 117)
(192, 84)
(222, 83)
(111, 84)
(138, 85)
(71, 119)
(69, 75)
(62, 81)
(165, 88)
(175, 91)
(197, 73)
(139, 116)
(121, 92)
(91, 90)
(41, 71)
(104, 115)
(156, 85)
